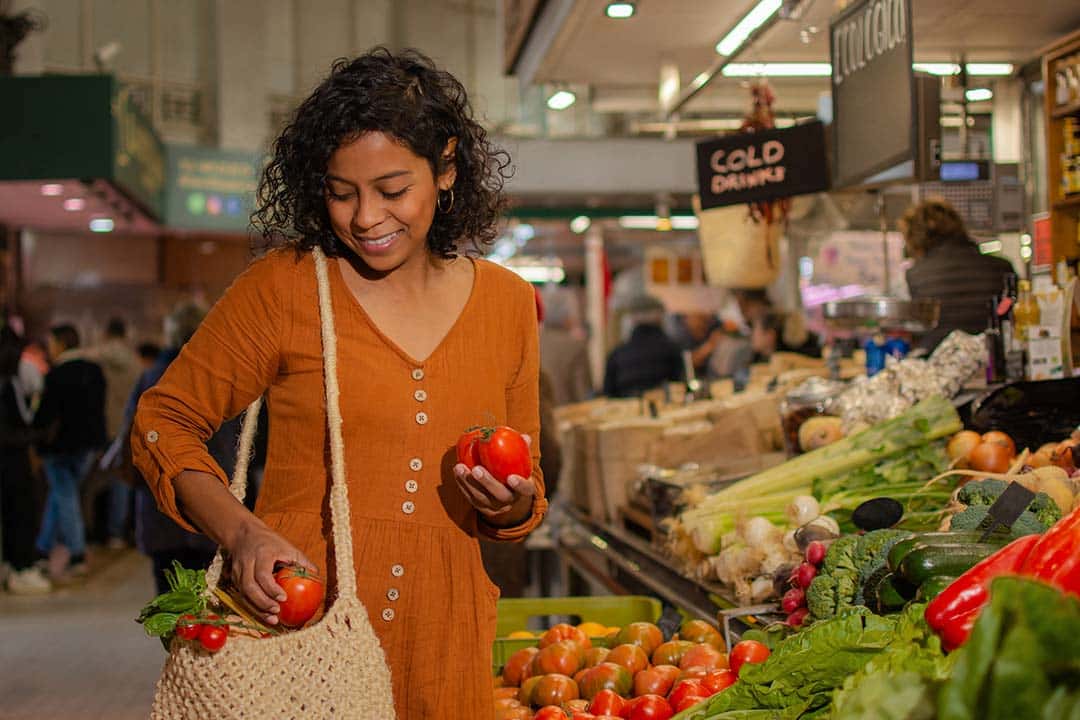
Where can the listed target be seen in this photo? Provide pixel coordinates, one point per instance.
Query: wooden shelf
(1063, 111)
(1068, 203)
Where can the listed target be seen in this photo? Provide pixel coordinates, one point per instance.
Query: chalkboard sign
(873, 89)
(762, 165)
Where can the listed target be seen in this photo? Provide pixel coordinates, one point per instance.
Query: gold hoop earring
(448, 208)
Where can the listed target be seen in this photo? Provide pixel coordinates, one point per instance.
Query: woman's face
(381, 198)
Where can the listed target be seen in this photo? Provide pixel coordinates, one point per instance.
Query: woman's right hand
(253, 554)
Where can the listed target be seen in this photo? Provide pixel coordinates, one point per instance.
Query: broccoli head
(970, 519)
(841, 555)
(821, 597)
(981, 492)
(872, 550)
(1045, 509)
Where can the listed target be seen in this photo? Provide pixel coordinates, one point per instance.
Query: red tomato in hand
(467, 453)
(650, 707)
(504, 452)
(213, 637)
(748, 651)
(187, 627)
(304, 591)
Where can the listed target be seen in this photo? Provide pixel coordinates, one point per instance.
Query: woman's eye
(338, 196)
(395, 195)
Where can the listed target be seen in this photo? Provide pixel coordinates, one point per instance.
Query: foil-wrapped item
(902, 383)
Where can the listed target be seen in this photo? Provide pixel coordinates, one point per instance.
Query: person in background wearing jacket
(649, 358)
(72, 417)
(121, 367)
(18, 522)
(949, 268)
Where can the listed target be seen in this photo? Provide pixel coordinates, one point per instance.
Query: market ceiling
(621, 59)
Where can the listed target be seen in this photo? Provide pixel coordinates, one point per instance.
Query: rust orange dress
(418, 565)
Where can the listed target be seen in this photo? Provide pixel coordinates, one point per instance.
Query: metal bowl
(883, 312)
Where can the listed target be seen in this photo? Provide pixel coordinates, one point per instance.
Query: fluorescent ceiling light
(745, 27)
(74, 204)
(979, 94)
(651, 222)
(803, 69)
(619, 10)
(101, 225)
(580, 224)
(561, 100)
(980, 69)
(52, 189)
(987, 69)
(991, 246)
(937, 68)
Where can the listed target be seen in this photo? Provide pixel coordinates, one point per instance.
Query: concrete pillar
(240, 81)
(595, 315)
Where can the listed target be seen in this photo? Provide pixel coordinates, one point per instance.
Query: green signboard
(210, 189)
(57, 127)
(138, 154)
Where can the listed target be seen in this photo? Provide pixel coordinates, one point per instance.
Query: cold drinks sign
(762, 165)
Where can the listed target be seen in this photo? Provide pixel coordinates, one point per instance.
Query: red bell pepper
(953, 612)
(1055, 559)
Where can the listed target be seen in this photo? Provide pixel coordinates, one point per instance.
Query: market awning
(78, 155)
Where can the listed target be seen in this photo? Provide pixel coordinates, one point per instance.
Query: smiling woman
(384, 171)
(416, 106)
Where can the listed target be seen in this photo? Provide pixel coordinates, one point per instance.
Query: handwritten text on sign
(763, 165)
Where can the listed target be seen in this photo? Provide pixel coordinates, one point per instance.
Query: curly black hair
(405, 96)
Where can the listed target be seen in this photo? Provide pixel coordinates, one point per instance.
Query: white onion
(802, 510)
(758, 532)
(761, 589)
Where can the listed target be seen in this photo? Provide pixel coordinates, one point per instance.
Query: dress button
(387, 614)
(416, 464)
(392, 594)
(408, 507)
(420, 395)
(152, 436)
(417, 374)
(397, 570)
(421, 418)
(411, 486)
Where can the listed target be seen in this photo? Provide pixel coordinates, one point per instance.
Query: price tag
(1006, 509)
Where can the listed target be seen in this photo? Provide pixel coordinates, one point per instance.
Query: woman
(949, 268)
(384, 168)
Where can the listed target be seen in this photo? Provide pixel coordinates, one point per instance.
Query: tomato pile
(639, 677)
(502, 451)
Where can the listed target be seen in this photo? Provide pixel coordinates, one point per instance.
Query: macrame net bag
(332, 669)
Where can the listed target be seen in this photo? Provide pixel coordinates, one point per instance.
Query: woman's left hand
(501, 505)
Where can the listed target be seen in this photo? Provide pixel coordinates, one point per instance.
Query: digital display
(963, 171)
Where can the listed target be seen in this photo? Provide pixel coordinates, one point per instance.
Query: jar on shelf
(812, 399)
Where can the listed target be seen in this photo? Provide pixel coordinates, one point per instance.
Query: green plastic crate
(540, 613)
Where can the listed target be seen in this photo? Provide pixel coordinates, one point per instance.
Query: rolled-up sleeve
(523, 414)
(232, 358)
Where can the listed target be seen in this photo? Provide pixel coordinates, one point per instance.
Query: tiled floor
(77, 654)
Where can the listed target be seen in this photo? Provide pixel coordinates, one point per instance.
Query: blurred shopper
(949, 268)
(563, 353)
(72, 416)
(156, 534)
(120, 365)
(148, 354)
(649, 358)
(702, 334)
(18, 509)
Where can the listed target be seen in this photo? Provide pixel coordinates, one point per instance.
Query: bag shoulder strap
(340, 524)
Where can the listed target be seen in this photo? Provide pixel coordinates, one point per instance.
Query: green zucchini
(932, 587)
(902, 548)
(925, 562)
(889, 596)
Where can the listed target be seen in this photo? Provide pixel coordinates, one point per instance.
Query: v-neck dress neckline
(355, 303)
